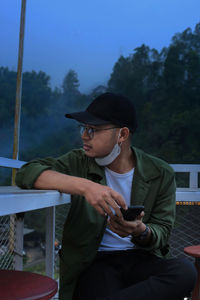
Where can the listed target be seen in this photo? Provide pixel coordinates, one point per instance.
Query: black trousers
(135, 275)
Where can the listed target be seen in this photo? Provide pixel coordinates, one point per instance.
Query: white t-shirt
(121, 183)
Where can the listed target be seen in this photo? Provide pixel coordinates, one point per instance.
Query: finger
(109, 203)
(101, 211)
(119, 199)
(118, 231)
(127, 227)
(140, 217)
(106, 208)
(117, 219)
(118, 212)
(117, 225)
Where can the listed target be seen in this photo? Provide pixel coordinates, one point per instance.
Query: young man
(104, 256)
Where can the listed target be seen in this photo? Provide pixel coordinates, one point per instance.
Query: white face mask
(108, 159)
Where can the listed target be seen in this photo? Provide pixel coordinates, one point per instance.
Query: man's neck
(124, 162)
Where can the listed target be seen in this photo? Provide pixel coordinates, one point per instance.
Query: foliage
(7, 95)
(36, 268)
(39, 268)
(70, 87)
(71, 83)
(165, 88)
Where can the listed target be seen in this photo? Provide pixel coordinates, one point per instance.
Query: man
(103, 256)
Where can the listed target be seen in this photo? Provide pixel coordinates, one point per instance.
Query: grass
(40, 269)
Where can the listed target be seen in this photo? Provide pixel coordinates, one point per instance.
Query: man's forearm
(101, 197)
(64, 183)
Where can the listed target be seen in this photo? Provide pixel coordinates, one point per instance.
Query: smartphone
(132, 212)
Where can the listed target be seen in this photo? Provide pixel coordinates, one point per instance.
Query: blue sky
(89, 35)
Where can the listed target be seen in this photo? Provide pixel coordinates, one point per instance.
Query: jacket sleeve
(162, 216)
(28, 173)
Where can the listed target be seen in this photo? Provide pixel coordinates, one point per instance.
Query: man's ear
(124, 134)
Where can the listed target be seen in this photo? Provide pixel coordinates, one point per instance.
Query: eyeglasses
(90, 130)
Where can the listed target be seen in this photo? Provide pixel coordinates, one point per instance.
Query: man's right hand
(103, 198)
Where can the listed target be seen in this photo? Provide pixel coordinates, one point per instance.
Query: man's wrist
(143, 235)
(84, 185)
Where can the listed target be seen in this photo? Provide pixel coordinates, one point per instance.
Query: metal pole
(19, 88)
(18, 259)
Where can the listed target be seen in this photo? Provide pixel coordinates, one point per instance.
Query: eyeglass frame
(93, 130)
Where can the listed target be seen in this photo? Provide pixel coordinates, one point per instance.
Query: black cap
(108, 108)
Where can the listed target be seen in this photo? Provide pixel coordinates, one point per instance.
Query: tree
(36, 93)
(7, 96)
(70, 84)
(165, 88)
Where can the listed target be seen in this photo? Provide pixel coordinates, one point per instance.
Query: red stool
(17, 285)
(195, 252)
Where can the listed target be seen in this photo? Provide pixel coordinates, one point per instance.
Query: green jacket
(153, 186)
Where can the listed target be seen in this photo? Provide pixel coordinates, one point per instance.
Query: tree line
(164, 86)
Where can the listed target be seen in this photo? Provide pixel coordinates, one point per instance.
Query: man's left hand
(124, 228)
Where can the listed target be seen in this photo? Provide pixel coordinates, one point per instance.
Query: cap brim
(86, 118)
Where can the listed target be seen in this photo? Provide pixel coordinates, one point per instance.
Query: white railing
(193, 171)
(190, 194)
(14, 200)
(11, 163)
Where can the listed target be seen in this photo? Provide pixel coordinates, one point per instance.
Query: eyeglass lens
(89, 131)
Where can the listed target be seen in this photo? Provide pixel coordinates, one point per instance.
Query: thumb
(140, 217)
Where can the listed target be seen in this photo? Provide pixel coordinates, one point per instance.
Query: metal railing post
(50, 239)
(18, 262)
(19, 87)
(19, 242)
(193, 181)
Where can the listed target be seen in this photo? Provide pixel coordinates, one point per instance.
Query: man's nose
(85, 135)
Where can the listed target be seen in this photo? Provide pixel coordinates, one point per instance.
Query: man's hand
(103, 198)
(124, 228)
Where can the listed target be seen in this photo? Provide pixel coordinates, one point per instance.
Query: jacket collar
(96, 171)
(145, 169)
(145, 166)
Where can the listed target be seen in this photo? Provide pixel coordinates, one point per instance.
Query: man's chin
(88, 153)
